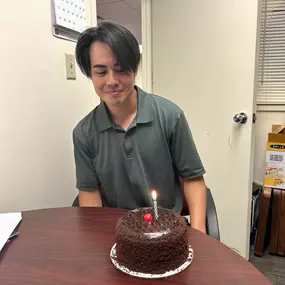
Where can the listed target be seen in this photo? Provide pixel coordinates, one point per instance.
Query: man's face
(112, 84)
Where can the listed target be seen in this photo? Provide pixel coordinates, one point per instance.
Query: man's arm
(87, 181)
(196, 198)
(90, 198)
(189, 167)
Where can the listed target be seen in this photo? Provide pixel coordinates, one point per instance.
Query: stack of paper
(8, 223)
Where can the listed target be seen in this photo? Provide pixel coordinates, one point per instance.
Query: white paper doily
(113, 256)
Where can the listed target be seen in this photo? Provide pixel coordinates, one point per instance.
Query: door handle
(240, 118)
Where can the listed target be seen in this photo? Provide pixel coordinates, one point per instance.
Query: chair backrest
(212, 224)
(76, 202)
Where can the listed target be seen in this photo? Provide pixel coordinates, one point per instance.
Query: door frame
(146, 27)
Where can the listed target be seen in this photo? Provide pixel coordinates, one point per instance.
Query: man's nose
(112, 79)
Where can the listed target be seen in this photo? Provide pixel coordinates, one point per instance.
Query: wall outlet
(70, 66)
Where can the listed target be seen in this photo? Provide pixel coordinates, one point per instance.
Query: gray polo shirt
(153, 153)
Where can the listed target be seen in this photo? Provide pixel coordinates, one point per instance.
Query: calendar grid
(70, 14)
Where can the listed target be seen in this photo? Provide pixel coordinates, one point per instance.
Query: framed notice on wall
(69, 18)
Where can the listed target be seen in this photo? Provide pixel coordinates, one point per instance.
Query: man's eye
(101, 73)
(121, 71)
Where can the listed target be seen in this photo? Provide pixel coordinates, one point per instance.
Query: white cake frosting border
(113, 257)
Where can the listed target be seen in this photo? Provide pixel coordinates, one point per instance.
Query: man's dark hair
(121, 41)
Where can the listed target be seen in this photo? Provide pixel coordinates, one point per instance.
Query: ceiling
(124, 12)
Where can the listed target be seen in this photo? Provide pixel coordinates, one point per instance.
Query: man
(133, 142)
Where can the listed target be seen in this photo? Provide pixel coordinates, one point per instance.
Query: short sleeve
(86, 177)
(184, 153)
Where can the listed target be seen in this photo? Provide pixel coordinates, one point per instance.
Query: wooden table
(72, 246)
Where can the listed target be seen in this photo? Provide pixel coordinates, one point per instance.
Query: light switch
(70, 66)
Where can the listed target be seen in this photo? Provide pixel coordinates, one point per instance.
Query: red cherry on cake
(148, 218)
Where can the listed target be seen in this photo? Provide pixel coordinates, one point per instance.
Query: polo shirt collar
(104, 122)
(145, 107)
(144, 114)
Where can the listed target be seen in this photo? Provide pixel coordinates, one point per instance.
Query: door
(203, 59)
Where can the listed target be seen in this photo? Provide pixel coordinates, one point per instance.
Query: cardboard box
(275, 158)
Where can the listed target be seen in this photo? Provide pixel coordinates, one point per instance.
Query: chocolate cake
(151, 247)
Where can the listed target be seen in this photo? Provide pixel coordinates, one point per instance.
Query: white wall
(263, 126)
(38, 108)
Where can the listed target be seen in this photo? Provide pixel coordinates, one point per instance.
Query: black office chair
(212, 225)
(76, 202)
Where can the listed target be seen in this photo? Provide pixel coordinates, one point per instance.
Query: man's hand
(196, 197)
(90, 199)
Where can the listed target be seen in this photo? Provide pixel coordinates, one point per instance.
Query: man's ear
(136, 72)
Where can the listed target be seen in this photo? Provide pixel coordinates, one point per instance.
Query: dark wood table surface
(72, 246)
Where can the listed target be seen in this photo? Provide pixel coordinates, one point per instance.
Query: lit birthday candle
(153, 194)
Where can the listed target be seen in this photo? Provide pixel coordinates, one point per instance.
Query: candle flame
(153, 194)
